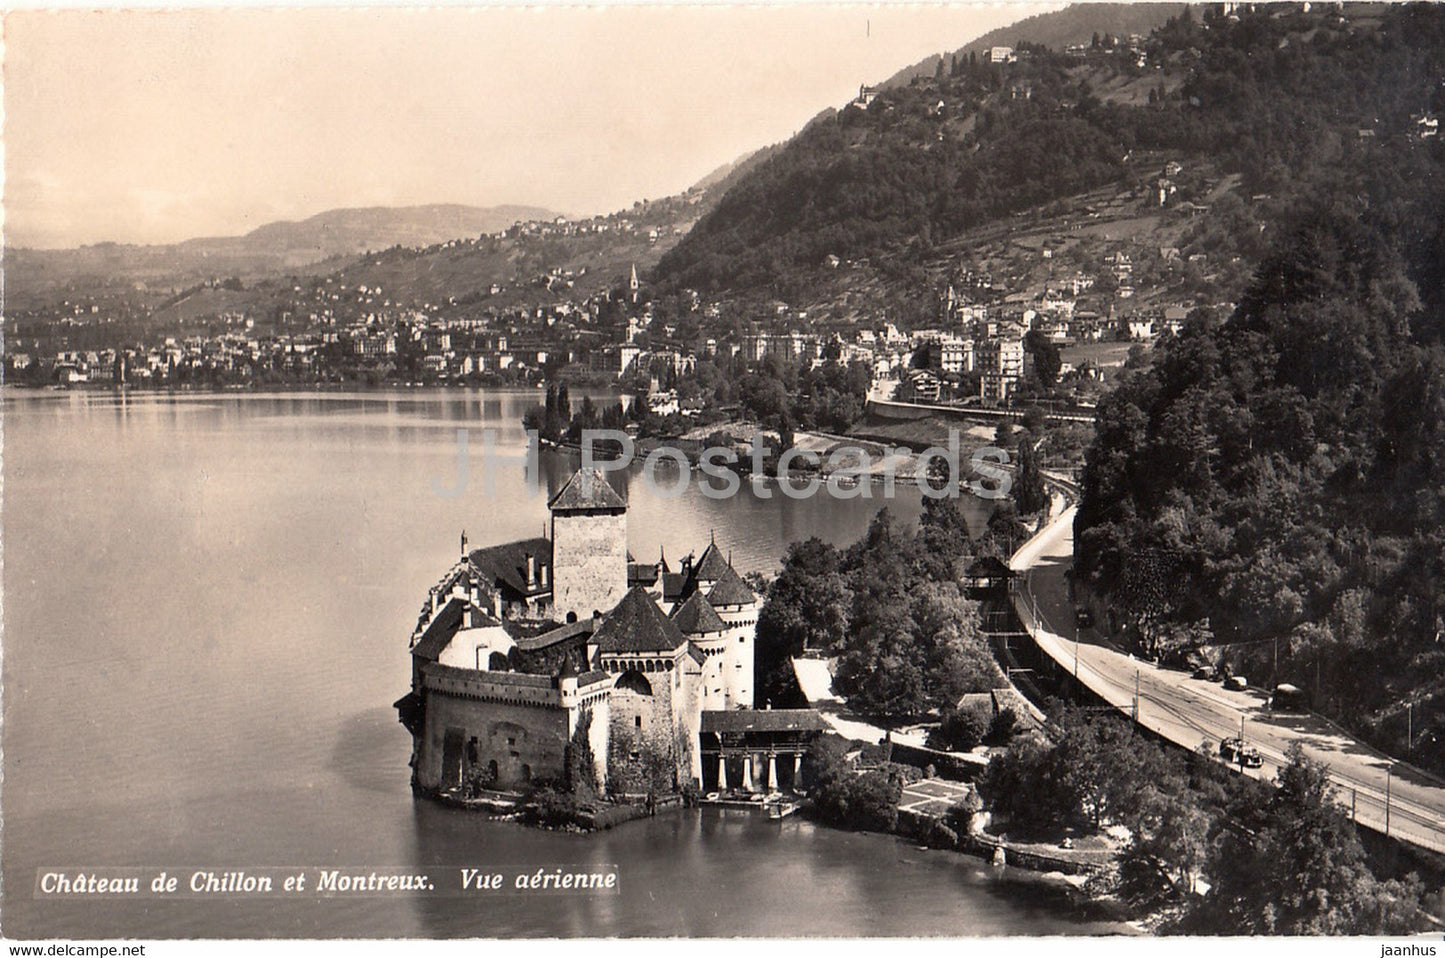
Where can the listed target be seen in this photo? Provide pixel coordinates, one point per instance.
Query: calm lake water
(207, 601)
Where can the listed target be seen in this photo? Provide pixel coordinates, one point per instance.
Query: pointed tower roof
(730, 589)
(588, 489)
(710, 565)
(696, 616)
(637, 625)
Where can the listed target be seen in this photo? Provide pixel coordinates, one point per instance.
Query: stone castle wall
(589, 563)
(518, 721)
(526, 742)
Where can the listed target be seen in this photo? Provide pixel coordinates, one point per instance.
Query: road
(1189, 711)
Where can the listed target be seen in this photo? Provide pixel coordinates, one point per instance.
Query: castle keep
(524, 649)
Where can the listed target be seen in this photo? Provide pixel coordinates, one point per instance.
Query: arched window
(497, 662)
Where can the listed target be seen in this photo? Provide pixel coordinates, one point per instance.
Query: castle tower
(709, 633)
(589, 546)
(738, 607)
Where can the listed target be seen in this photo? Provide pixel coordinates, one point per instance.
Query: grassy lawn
(1100, 354)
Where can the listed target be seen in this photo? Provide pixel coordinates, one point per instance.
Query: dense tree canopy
(889, 608)
(1282, 477)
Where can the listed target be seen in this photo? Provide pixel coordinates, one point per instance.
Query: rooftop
(444, 625)
(507, 563)
(697, 617)
(730, 589)
(637, 625)
(763, 720)
(587, 489)
(710, 565)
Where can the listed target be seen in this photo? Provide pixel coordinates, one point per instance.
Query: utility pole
(1076, 658)
(1388, 770)
(1352, 805)
(1136, 696)
(1409, 728)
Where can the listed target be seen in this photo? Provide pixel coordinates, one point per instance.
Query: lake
(207, 601)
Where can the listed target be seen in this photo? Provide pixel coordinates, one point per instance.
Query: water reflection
(207, 600)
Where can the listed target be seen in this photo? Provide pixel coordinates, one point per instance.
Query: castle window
(637, 720)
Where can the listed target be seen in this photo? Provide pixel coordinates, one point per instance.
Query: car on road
(1236, 751)
(1237, 683)
(1289, 698)
(1206, 672)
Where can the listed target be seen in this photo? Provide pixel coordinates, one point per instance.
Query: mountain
(1274, 100)
(718, 181)
(275, 249)
(350, 231)
(1075, 24)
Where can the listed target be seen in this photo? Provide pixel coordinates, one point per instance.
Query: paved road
(1189, 711)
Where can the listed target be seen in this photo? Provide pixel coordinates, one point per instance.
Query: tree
(579, 764)
(943, 538)
(808, 607)
(867, 802)
(1028, 490)
(1001, 728)
(1296, 867)
(1045, 357)
(961, 729)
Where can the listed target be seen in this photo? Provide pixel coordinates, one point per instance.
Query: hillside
(357, 230)
(1076, 24)
(36, 276)
(1274, 100)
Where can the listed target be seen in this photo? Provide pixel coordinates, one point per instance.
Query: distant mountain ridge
(272, 249)
(358, 229)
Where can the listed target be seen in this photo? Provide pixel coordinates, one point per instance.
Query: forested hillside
(1280, 97)
(1275, 483)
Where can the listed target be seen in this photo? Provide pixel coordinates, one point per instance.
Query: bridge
(906, 411)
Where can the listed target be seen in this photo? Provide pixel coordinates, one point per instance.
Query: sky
(153, 126)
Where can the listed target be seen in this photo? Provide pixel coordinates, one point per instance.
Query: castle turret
(737, 606)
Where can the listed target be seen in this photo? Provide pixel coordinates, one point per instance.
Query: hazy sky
(155, 126)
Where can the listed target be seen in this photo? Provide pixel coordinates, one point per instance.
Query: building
(1000, 364)
(956, 355)
(524, 648)
(866, 95)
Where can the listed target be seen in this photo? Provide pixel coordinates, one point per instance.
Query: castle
(520, 645)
